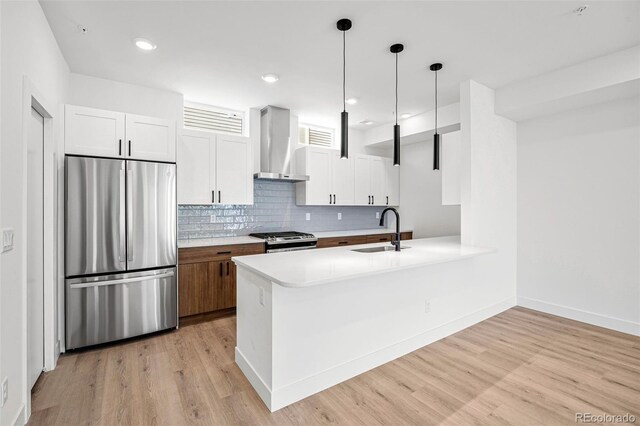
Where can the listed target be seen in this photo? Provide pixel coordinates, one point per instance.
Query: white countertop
(373, 231)
(313, 267)
(221, 241)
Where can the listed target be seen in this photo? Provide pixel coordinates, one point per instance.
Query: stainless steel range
(287, 241)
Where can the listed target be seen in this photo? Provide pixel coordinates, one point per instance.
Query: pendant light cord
(436, 126)
(344, 71)
(396, 88)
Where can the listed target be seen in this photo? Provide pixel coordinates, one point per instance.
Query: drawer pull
(343, 242)
(224, 252)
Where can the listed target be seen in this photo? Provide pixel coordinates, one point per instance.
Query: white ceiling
(215, 52)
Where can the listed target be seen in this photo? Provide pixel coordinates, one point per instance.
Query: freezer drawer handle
(122, 281)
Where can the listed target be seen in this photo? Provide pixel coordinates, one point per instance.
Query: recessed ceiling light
(270, 78)
(352, 101)
(405, 115)
(367, 122)
(144, 44)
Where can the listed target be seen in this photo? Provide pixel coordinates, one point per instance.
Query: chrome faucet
(396, 241)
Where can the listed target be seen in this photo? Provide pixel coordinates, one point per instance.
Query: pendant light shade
(344, 25)
(395, 49)
(436, 136)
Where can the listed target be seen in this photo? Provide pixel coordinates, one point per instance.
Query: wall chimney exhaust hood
(275, 146)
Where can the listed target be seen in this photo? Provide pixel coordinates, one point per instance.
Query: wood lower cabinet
(207, 277)
(360, 239)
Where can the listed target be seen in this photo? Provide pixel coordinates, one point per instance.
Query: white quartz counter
(221, 241)
(373, 231)
(312, 267)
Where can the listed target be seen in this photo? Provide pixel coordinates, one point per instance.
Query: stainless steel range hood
(275, 146)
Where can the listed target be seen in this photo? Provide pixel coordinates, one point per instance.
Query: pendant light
(436, 136)
(344, 25)
(395, 49)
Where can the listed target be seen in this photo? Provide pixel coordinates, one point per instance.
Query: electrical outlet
(7, 239)
(308, 216)
(377, 215)
(339, 216)
(5, 390)
(261, 297)
(427, 306)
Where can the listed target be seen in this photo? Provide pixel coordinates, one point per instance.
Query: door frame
(32, 98)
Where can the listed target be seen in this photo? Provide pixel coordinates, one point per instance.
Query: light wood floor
(520, 367)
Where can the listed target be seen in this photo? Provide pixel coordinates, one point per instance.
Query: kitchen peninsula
(308, 320)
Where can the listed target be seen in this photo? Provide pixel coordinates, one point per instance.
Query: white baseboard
(263, 390)
(21, 420)
(281, 397)
(593, 318)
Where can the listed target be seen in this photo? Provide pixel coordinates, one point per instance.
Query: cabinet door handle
(373, 199)
(219, 197)
(334, 198)
(369, 198)
(227, 268)
(220, 268)
(213, 196)
(119, 146)
(330, 199)
(129, 148)
(387, 200)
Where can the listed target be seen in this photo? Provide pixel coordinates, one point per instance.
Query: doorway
(35, 247)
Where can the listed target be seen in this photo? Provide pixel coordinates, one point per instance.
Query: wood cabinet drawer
(217, 253)
(406, 235)
(341, 241)
(379, 238)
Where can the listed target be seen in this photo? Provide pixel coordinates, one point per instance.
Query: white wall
(488, 184)
(421, 208)
(579, 214)
(28, 49)
(116, 96)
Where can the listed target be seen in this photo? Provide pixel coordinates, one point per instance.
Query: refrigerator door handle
(129, 215)
(121, 217)
(121, 281)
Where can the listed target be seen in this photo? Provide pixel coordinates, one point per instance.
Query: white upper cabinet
(343, 180)
(150, 138)
(94, 132)
(392, 196)
(214, 169)
(330, 177)
(100, 133)
(234, 170)
(196, 180)
(362, 180)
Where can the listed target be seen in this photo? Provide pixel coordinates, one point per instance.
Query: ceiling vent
(212, 119)
(316, 136)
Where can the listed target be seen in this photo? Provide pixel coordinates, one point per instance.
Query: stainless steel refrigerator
(120, 249)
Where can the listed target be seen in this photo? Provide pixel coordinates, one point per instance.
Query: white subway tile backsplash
(274, 209)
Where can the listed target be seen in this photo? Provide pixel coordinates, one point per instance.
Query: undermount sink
(378, 249)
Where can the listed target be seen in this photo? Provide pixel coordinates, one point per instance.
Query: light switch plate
(339, 216)
(377, 215)
(308, 216)
(7, 239)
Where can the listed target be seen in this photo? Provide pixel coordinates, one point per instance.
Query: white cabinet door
(318, 167)
(234, 171)
(95, 132)
(343, 183)
(378, 181)
(392, 197)
(196, 179)
(150, 138)
(362, 169)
